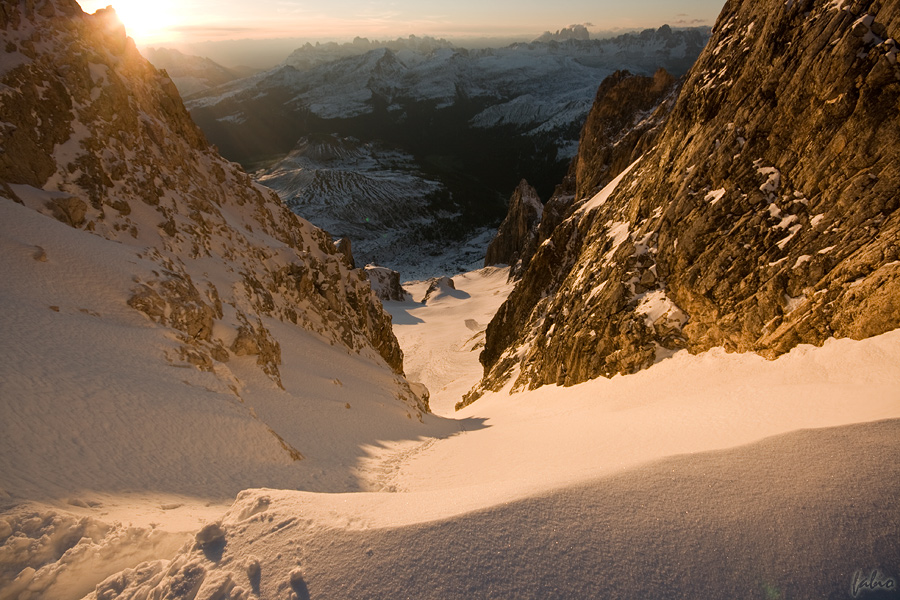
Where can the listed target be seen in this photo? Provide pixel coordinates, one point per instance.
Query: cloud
(690, 22)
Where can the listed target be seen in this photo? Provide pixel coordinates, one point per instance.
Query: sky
(185, 22)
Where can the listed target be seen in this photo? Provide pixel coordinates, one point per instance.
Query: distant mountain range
(471, 121)
(193, 74)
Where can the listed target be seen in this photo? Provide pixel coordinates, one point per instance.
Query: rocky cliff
(627, 115)
(517, 236)
(765, 216)
(95, 137)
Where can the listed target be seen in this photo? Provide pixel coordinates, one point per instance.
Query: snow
(801, 260)
(793, 303)
(715, 195)
(618, 232)
(793, 231)
(561, 492)
(773, 179)
(656, 305)
(603, 195)
(441, 339)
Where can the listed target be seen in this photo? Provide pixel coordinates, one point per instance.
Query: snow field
(701, 474)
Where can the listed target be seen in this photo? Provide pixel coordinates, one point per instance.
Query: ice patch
(786, 221)
(773, 179)
(792, 304)
(618, 232)
(793, 231)
(801, 259)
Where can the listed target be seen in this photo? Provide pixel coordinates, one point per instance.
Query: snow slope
(114, 451)
(701, 474)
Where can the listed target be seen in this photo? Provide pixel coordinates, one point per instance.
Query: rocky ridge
(95, 137)
(628, 114)
(517, 236)
(766, 215)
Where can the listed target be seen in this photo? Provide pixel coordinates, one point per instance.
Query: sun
(147, 21)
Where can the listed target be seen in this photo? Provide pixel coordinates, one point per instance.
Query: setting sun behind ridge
(145, 21)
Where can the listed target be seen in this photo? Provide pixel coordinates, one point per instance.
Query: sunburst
(148, 22)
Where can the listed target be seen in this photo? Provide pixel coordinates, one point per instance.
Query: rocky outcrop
(439, 286)
(624, 121)
(572, 32)
(628, 113)
(765, 216)
(345, 249)
(517, 236)
(97, 138)
(386, 283)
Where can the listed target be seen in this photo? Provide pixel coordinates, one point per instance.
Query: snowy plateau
(202, 399)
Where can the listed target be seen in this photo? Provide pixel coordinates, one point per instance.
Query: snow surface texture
(701, 474)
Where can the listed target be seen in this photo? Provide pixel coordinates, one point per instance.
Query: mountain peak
(745, 226)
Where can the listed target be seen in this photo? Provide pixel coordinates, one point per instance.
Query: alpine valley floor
(710, 476)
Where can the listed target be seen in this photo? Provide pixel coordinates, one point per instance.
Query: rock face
(386, 283)
(627, 115)
(765, 216)
(517, 236)
(94, 136)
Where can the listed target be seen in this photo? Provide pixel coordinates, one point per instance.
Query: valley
(470, 123)
(680, 379)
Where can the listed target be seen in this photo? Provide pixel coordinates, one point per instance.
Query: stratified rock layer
(766, 215)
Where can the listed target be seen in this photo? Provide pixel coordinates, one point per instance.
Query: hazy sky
(189, 21)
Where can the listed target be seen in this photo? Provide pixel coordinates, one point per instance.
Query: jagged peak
(754, 223)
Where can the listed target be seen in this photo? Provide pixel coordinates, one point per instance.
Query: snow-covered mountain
(192, 74)
(474, 121)
(312, 55)
(168, 324)
(379, 198)
(765, 215)
(572, 32)
(172, 335)
(539, 89)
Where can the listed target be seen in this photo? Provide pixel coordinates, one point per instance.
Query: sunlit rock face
(764, 216)
(94, 136)
(627, 116)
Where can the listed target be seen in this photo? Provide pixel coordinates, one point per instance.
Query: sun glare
(147, 22)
